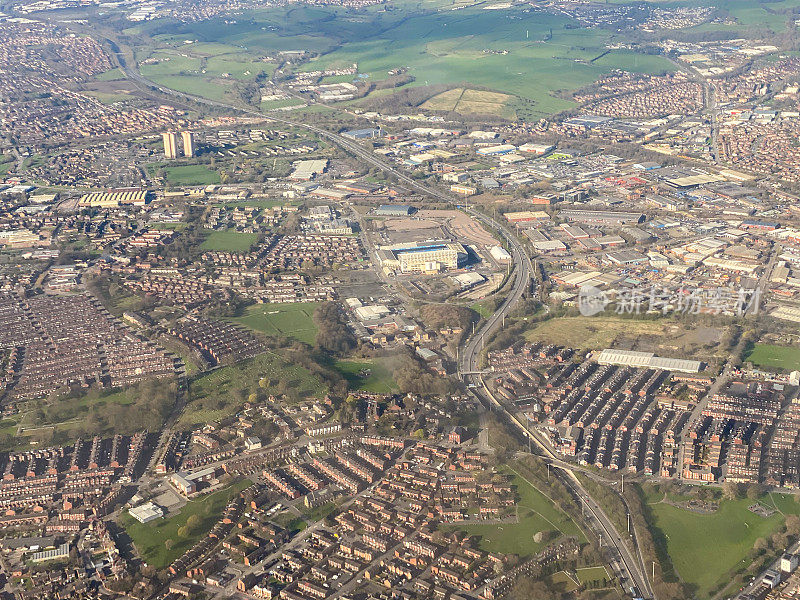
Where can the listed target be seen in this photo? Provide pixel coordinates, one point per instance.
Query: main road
(630, 566)
(632, 569)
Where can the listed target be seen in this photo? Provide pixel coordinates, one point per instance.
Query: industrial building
(601, 217)
(394, 210)
(423, 257)
(114, 198)
(648, 360)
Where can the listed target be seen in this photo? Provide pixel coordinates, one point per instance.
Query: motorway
(632, 569)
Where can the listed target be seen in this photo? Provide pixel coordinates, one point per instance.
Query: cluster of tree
(438, 316)
(146, 406)
(412, 376)
(333, 334)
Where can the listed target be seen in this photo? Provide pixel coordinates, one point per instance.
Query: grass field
(191, 175)
(516, 51)
(733, 530)
(379, 381)
(591, 332)
(229, 241)
(770, 355)
(294, 320)
(221, 392)
(469, 101)
(591, 574)
(150, 538)
(536, 513)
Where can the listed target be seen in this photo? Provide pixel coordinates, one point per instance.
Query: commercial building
(423, 257)
(188, 143)
(647, 360)
(363, 134)
(170, 139)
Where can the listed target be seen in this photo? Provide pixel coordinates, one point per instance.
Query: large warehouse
(647, 360)
(423, 257)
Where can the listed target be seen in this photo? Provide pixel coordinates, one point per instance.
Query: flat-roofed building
(647, 360)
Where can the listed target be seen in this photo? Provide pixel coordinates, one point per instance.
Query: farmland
(292, 320)
(514, 52)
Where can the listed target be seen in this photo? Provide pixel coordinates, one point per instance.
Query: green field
(770, 355)
(379, 381)
(531, 54)
(705, 547)
(229, 241)
(536, 513)
(192, 175)
(294, 320)
(150, 538)
(223, 391)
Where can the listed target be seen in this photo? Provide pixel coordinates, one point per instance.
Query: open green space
(378, 381)
(535, 511)
(114, 74)
(770, 355)
(531, 54)
(705, 547)
(294, 320)
(229, 241)
(194, 85)
(151, 538)
(223, 391)
(592, 574)
(192, 175)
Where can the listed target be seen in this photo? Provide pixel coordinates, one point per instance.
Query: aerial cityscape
(399, 300)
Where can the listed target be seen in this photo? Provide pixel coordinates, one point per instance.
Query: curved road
(632, 569)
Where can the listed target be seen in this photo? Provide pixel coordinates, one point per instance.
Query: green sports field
(294, 320)
(379, 381)
(229, 241)
(705, 547)
(779, 357)
(192, 175)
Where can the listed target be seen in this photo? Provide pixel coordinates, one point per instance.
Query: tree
(183, 532)
(793, 525)
(193, 522)
(755, 491)
(730, 490)
(169, 543)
